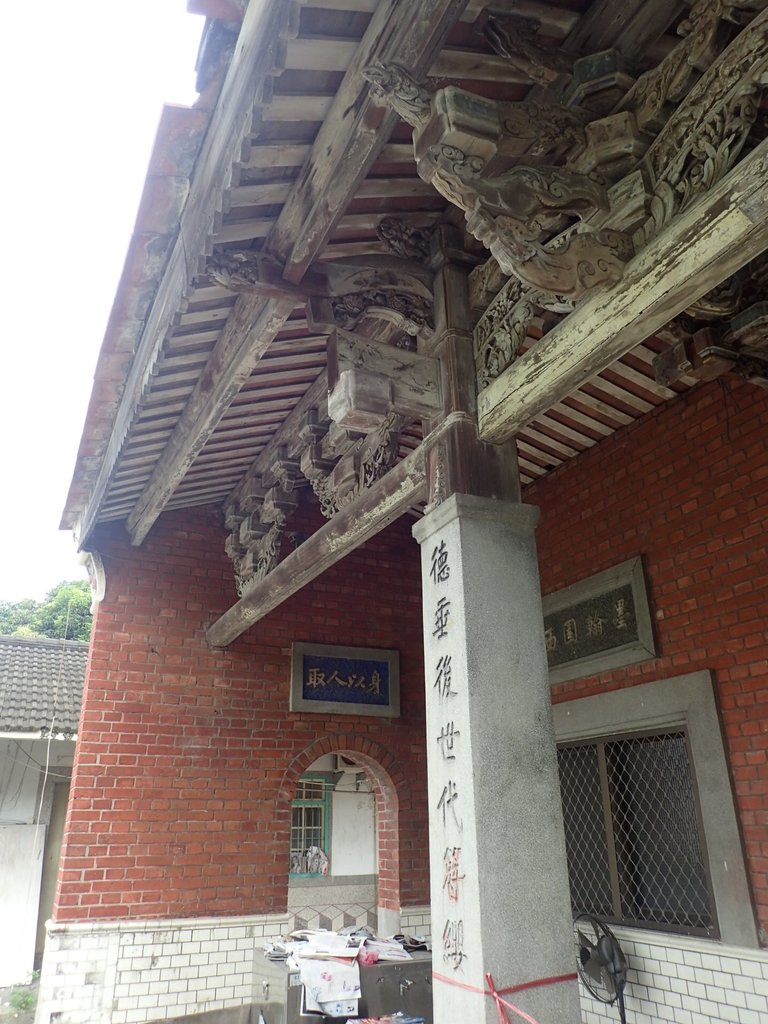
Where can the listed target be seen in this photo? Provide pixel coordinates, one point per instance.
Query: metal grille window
(309, 826)
(632, 833)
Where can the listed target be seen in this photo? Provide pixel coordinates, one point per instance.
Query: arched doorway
(348, 799)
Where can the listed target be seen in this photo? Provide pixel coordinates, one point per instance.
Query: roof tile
(41, 681)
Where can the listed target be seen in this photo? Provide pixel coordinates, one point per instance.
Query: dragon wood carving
(516, 214)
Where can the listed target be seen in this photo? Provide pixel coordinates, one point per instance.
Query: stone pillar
(500, 900)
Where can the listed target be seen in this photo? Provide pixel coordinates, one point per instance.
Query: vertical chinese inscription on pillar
(447, 758)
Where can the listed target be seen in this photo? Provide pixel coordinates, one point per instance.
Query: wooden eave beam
(363, 518)
(251, 64)
(707, 242)
(245, 338)
(356, 129)
(349, 141)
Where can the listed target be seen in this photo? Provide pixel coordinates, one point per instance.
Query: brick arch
(390, 786)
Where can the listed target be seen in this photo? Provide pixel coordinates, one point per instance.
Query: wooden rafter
(251, 65)
(345, 148)
(356, 129)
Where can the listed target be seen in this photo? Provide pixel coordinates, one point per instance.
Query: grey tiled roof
(38, 677)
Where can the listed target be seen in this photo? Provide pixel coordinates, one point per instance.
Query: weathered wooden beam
(260, 227)
(274, 154)
(248, 332)
(304, 54)
(629, 28)
(355, 524)
(251, 65)
(707, 242)
(371, 188)
(356, 128)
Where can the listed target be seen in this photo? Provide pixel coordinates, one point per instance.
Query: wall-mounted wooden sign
(345, 680)
(599, 623)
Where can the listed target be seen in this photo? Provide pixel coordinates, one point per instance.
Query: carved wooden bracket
(256, 523)
(404, 239)
(373, 390)
(705, 136)
(518, 214)
(514, 37)
(410, 312)
(740, 347)
(243, 270)
(703, 34)
(568, 226)
(368, 380)
(384, 288)
(501, 330)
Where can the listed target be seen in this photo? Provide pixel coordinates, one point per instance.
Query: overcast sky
(83, 84)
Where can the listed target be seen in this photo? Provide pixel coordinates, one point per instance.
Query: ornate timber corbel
(411, 313)
(515, 38)
(256, 523)
(322, 444)
(373, 390)
(735, 343)
(703, 33)
(392, 85)
(367, 380)
(357, 471)
(516, 214)
(388, 290)
(404, 239)
(485, 282)
(536, 129)
(244, 270)
(501, 331)
(97, 577)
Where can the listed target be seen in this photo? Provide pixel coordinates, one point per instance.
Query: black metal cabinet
(386, 987)
(405, 985)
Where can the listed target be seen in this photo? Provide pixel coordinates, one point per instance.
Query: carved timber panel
(564, 197)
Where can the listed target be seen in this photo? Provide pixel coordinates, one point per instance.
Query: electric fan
(600, 961)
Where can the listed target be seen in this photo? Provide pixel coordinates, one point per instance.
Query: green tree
(16, 613)
(64, 612)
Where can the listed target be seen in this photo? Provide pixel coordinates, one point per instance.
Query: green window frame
(310, 818)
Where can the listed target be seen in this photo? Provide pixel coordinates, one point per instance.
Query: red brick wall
(187, 756)
(686, 488)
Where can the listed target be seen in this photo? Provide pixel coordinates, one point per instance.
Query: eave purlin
(229, 125)
(709, 241)
(341, 174)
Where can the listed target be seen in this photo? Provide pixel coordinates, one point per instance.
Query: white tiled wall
(415, 921)
(111, 973)
(686, 981)
(671, 978)
(118, 973)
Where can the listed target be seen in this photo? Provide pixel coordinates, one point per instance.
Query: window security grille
(632, 833)
(309, 821)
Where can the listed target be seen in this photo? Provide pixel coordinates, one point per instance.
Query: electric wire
(47, 767)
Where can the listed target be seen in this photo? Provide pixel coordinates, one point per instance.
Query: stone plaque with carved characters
(599, 623)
